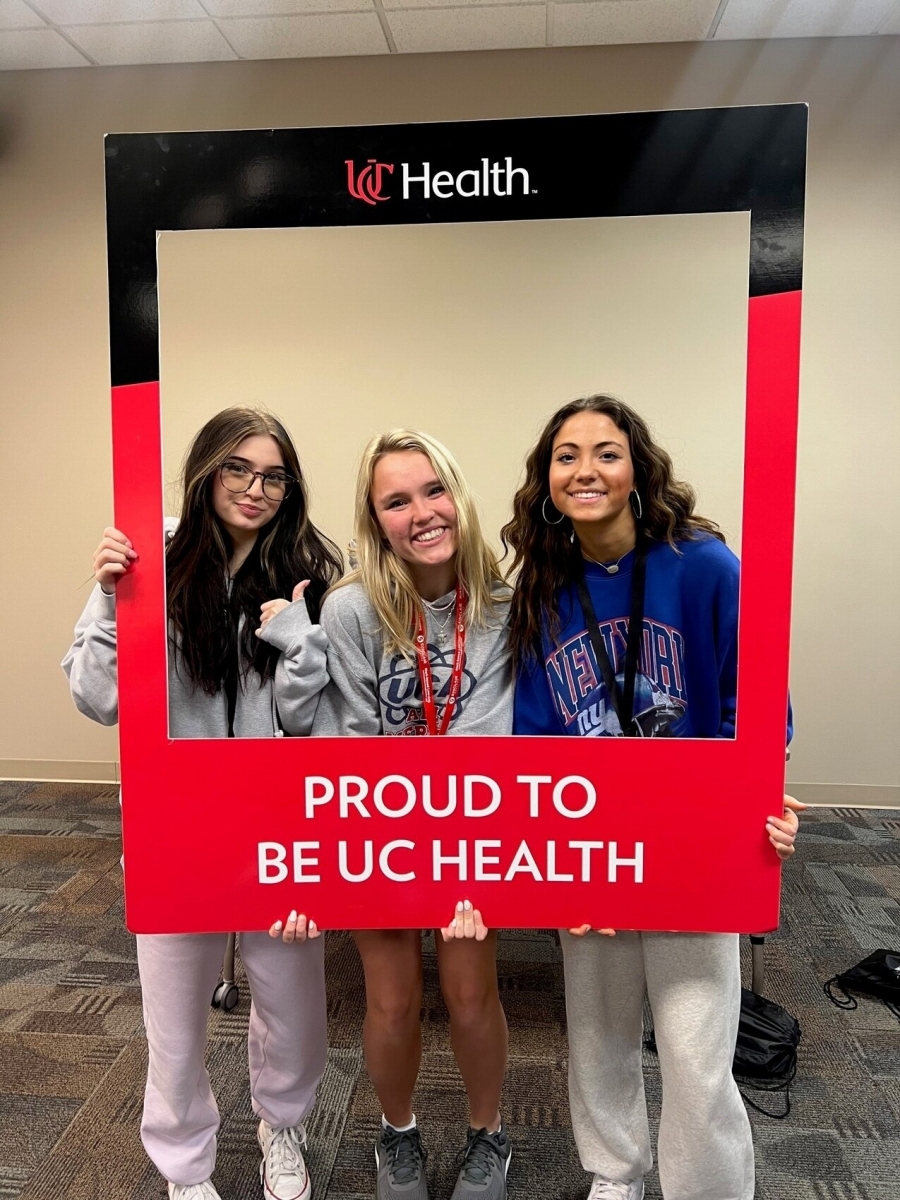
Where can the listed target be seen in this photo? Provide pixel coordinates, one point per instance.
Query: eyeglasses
(236, 477)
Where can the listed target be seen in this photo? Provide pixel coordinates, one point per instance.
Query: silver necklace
(441, 628)
(612, 568)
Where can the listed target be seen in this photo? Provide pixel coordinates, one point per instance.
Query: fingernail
(459, 907)
(277, 924)
(468, 906)
(453, 923)
(312, 925)
(292, 915)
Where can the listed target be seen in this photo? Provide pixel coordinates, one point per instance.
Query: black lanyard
(622, 700)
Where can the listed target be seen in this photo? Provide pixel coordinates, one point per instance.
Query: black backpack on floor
(765, 1057)
(878, 976)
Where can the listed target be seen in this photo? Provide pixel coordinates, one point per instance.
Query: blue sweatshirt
(687, 672)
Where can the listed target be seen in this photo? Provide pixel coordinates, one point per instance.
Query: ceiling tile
(26, 49)
(306, 37)
(607, 22)
(151, 42)
(473, 28)
(391, 4)
(274, 8)
(103, 12)
(801, 18)
(16, 15)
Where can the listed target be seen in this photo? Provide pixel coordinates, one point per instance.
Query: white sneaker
(608, 1189)
(193, 1191)
(282, 1171)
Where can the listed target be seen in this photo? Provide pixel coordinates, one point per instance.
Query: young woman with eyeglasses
(613, 562)
(417, 647)
(243, 662)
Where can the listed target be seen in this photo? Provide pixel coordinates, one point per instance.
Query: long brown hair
(386, 578)
(547, 557)
(204, 615)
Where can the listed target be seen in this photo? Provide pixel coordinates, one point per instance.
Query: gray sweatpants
(286, 1044)
(693, 983)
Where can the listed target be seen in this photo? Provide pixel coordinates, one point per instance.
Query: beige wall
(53, 339)
(473, 332)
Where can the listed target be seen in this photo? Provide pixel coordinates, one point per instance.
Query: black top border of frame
(750, 158)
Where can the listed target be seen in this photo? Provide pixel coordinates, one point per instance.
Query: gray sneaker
(400, 1161)
(486, 1160)
(609, 1189)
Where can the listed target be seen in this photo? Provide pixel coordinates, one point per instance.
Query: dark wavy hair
(204, 616)
(548, 557)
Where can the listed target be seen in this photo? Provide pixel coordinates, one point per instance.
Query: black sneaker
(400, 1161)
(485, 1163)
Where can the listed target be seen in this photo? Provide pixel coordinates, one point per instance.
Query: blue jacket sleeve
(533, 711)
(726, 653)
(725, 607)
(724, 576)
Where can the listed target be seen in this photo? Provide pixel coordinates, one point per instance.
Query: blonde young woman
(423, 568)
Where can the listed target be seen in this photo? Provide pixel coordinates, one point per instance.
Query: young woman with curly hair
(617, 573)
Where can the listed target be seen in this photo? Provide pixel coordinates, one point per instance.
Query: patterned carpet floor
(73, 1054)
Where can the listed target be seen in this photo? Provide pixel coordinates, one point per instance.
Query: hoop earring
(636, 507)
(562, 516)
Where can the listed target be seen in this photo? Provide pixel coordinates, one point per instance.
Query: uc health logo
(367, 185)
(489, 178)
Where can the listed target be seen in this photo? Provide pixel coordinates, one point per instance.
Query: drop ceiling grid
(804, 18)
(51, 33)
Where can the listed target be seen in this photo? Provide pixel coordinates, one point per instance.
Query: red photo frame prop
(636, 834)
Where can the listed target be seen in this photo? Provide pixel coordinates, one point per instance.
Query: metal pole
(758, 962)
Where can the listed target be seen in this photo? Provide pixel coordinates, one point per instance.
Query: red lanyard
(459, 657)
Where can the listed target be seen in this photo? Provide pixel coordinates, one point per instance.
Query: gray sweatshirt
(371, 693)
(286, 702)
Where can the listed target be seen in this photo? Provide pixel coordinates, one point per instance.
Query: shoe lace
(479, 1157)
(405, 1153)
(195, 1191)
(285, 1154)
(609, 1189)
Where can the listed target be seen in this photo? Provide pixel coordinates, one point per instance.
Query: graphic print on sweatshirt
(401, 694)
(580, 695)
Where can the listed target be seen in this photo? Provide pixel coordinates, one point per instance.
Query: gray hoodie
(372, 693)
(287, 702)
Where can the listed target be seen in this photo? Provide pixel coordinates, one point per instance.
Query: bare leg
(478, 1034)
(392, 1032)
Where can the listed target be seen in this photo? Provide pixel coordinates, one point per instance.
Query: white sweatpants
(287, 1040)
(693, 983)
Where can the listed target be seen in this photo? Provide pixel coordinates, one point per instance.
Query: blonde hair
(387, 580)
